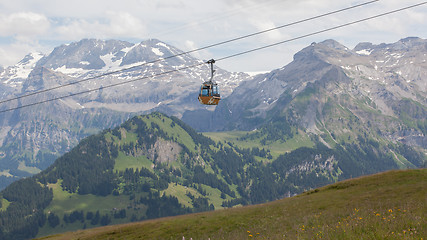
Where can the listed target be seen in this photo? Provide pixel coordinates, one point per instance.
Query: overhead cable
(321, 31)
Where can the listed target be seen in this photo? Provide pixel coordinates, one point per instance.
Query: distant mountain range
(373, 93)
(31, 138)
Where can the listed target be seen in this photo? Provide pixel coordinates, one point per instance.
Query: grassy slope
(389, 205)
(277, 148)
(65, 202)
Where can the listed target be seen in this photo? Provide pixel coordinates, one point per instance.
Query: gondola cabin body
(209, 94)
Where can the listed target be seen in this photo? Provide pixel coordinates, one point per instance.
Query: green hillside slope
(156, 166)
(389, 205)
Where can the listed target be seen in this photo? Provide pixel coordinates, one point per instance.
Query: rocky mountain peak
(30, 59)
(330, 43)
(364, 46)
(322, 51)
(85, 54)
(152, 42)
(403, 45)
(411, 42)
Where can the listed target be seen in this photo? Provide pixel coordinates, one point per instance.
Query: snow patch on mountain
(162, 45)
(74, 72)
(111, 63)
(157, 51)
(365, 52)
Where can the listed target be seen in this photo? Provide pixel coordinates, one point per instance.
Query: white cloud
(23, 25)
(115, 25)
(267, 24)
(19, 34)
(125, 24)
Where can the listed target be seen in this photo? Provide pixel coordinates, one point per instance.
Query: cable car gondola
(209, 94)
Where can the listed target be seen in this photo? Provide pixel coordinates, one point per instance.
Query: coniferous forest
(142, 161)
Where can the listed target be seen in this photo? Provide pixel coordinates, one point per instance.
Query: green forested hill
(389, 205)
(155, 166)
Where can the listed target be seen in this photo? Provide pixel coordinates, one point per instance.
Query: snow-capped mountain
(31, 138)
(91, 58)
(14, 76)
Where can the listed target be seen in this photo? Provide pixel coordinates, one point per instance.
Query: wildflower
(249, 231)
(250, 235)
(390, 210)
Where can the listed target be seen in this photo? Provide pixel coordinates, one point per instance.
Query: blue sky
(40, 25)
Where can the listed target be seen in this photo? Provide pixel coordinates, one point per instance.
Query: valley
(155, 166)
(85, 162)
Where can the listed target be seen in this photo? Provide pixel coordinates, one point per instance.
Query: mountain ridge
(369, 87)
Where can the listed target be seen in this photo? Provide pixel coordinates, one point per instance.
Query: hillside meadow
(390, 205)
